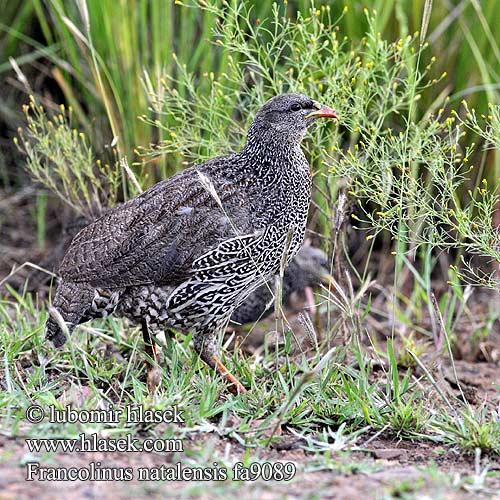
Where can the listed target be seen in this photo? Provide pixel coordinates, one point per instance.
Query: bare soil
(375, 467)
(385, 469)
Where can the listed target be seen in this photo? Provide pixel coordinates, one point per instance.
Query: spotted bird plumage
(189, 250)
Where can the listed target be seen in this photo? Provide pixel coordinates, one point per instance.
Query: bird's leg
(311, 305)
(206, 345)
(153, 376)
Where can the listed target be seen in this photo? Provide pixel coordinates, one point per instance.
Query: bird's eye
(295, 106)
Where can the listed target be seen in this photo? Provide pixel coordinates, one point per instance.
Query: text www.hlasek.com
(93, 443)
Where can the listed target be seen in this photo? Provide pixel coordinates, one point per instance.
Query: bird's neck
(270, 154)
(275, 175)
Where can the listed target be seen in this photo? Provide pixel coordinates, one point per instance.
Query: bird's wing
(155, 237)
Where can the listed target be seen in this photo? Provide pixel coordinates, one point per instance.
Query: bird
(185, 253)
(309, 268)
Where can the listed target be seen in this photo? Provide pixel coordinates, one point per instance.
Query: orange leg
(205, 343)
(235, 386)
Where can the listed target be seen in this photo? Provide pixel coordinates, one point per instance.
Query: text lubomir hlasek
(133, 414)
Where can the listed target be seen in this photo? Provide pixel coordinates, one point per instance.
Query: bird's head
(309, 268)
(312, 266)
(288, 116)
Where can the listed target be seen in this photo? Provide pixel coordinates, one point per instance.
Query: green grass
(100, 52)
(322, 396)
(330, 403)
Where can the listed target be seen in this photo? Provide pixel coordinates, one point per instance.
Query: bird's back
(155, 237)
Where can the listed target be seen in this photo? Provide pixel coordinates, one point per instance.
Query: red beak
(324, 112)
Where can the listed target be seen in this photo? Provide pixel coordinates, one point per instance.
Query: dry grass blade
(432, 381)
(425, 20)
(84, 12)
(208, 186)
(76, 32)
(124, 165)
(21, 267)
(20, 75)
(444, 334)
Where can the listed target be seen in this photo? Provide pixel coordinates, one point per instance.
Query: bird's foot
(235, 386)
(153, 378)
(153, 373)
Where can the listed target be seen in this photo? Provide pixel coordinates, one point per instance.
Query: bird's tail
(71, 303)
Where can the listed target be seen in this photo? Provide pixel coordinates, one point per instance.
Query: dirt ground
(375, 467)
(386, 469)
